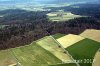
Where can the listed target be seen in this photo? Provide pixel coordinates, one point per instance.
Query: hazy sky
(47, 1)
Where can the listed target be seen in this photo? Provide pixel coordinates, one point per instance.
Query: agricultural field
(34, 55)
(91, 34)
(97, 59)
(49, 44)
(49, 51)
(84, 51)
(7, 58)
(59, 35)
(61, 16)
(69, 40)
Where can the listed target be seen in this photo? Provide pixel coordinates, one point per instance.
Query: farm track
(67, 53)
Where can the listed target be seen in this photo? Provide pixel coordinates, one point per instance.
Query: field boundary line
(64, 50)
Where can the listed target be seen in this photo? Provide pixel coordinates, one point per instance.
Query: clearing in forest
(61, 16)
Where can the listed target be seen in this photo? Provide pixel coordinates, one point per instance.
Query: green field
(34, 55)
(61, 16)
(7, 58)
(59, 35)
(84, 51)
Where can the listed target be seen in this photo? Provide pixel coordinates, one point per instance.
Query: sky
(48, 1)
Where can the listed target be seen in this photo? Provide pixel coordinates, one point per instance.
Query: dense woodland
(26, 26)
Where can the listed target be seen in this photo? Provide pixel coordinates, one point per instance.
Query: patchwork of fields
(61, 16)
(48, 43)
(55, 50)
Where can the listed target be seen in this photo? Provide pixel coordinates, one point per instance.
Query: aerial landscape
(49, 32)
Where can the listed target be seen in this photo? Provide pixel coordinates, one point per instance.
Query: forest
(27, 26)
